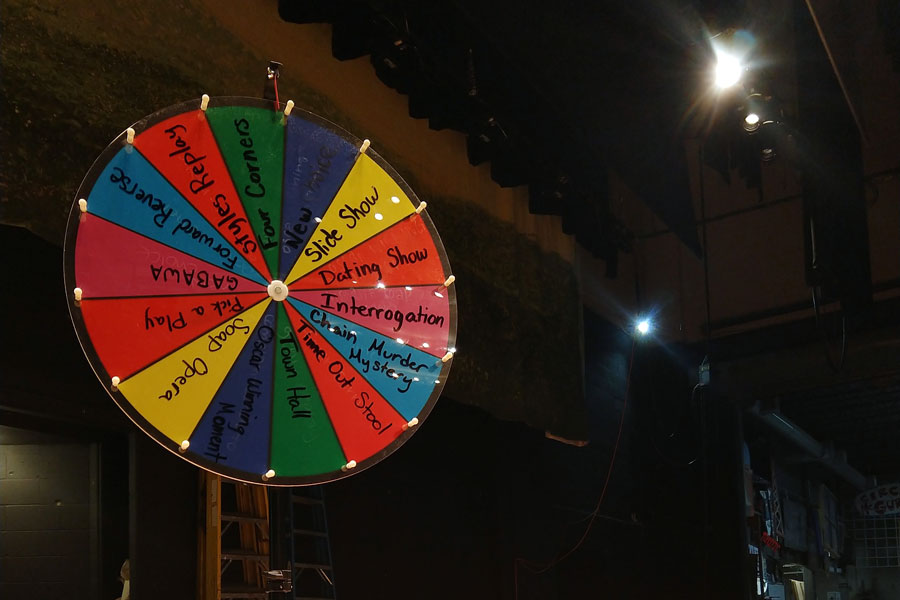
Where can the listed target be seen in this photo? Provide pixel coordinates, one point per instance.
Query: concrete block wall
(45, 525)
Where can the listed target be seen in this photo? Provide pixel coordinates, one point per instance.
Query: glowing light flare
(728, 70)
(643, 326)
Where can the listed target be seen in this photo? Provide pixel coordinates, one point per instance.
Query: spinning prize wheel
(259, 291)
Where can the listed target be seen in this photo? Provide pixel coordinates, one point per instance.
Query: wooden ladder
(233, 551)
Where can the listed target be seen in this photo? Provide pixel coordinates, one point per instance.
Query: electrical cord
(275, 84)
(538, 568)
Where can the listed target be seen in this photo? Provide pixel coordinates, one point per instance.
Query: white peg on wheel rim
(129, 135)
(270, 474)
(204, 102)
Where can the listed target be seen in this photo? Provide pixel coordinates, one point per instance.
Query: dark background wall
(47, 496)
(475, 507)
(164, 507)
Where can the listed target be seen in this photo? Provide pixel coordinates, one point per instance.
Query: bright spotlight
(728, 70)
(751, 122)
(643, 326)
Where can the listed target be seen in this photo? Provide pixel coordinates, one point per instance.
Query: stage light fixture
(751, 122)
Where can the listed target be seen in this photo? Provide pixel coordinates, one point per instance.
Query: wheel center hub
(278, 290)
